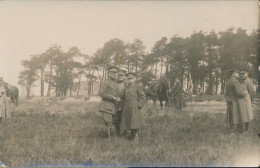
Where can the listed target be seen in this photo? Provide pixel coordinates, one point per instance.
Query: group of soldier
(121, 104)
(240, 93)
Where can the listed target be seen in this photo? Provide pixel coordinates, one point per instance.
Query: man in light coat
(120, 105)
(4, 105)
(248, 87)
(237, 114)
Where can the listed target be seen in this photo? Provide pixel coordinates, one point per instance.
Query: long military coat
(4, 105)
(177, 95)
(237, 94)
(248, 87)
(134, 98)
(109, 92)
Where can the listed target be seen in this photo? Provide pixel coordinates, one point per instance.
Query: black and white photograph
(119, 83)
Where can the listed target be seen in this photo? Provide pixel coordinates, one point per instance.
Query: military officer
(120, 105)
(135, 99)
(177, 94)
(248, 87)
(237, 113)
(4, 105)
(110, 96)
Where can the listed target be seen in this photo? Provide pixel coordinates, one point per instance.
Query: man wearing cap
(110, 96)
(4, 105)
(177, 94)
(120, 105)
(248, 87)
(135, 99)
(236, 102)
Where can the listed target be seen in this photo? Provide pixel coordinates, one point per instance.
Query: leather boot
(108, 131)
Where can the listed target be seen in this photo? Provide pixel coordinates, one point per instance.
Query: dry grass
(71, 133)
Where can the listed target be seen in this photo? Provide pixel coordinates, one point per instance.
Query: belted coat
(109, 93)
(135, 100)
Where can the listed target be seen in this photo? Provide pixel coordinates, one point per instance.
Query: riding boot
(108, 130)
(136, 137)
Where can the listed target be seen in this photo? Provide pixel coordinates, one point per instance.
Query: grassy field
(42, 133)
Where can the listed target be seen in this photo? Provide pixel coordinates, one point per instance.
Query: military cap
(122, 71)
(244, 70)
(130, 75)
(233, 70)
(112, 68)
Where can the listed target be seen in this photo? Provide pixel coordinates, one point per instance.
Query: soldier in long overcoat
(177, 94)
(4, 105)
(135, 99)
(248, 87)
(110, 96)
(237, 115)
(120, 105)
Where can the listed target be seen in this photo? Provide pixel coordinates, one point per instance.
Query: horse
(12, 92)
(159, 91)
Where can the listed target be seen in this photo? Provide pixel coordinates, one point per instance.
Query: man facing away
(237, 114)
(110, 96)
(135, 100)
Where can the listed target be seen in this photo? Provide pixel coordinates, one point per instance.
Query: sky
(31, 27)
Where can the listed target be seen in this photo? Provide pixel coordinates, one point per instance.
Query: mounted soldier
(109, 92)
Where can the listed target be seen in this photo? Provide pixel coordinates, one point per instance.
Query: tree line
(200, 60)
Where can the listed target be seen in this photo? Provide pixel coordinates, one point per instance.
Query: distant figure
(89, 86)
(110, 96)
(4, 105)
(237, 113)
(12, 92)
(177, 94)
(135, 100)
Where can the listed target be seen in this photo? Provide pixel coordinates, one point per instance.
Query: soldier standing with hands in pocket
(135, 100)
(110, 97)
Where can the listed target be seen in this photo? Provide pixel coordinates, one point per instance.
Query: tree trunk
(210, 86)
(216, 84)
(78, 87)
(28, 87)
(156, 70)
(42, 84)
(49, 86)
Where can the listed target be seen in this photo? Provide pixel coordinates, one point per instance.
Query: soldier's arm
(250, 88)
(104, 94)
(238, 89)
(141, 97)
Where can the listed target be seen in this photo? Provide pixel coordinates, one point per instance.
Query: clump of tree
(201, 60)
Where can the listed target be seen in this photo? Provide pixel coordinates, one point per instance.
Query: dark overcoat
(177, 96)
(135, 100)
(237, 95)
(109, 93)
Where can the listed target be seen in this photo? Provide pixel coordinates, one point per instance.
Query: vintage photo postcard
(129, 83)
